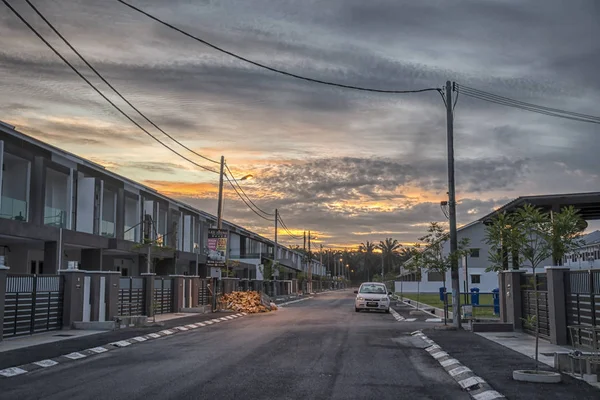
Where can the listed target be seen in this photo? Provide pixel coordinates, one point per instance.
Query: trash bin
(475, 296)
(442, 293)
(496, 297)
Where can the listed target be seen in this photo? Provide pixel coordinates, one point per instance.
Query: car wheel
(387, 311)
(356, 309)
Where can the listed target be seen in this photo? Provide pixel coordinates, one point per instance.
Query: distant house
(472, 268)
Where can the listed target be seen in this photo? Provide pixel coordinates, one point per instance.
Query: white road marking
(98, 350)
(167, 332)
(46, 363)
(449, 362)
(440, 354)
(472, 381)
(458, 370)
(410, 319)
(182, 328)
(121, 343)
(154, 335)
(139, 339)
(76, 355)
(488, 395)
(10, 372)
(433, 320)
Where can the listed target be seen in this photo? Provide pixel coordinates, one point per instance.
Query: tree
(535, 236)
(433, 258)
(367, 249)
(389, 249)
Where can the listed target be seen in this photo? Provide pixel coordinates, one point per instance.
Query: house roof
(588, 204)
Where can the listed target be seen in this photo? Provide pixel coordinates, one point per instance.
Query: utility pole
(275, 255)
(452, 208)
(309, 266)
(220, 203)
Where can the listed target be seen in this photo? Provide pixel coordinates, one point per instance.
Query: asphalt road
(315, 349)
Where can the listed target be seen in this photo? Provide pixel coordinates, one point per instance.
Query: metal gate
(163, 295)
(33, 303)
(529, 304)
(582, 290)
(203, 293)
(131, 296)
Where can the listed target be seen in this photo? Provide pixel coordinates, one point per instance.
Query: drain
(64, 335)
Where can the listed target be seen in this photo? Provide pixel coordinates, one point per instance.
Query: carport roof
(588, 204)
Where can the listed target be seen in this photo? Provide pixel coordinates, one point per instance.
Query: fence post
(512, 294)
(112, 294)
(149, 294)
(592, 297)
(73, 296)
(557, 311)
(178, 292)
(195, 291)
(502, 294)
(3, 275)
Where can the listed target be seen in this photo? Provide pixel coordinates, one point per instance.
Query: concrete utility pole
(452, 208)
(275, 255)
(220, 203)
(309, 266)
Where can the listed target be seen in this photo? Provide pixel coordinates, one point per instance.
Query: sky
(349, 166)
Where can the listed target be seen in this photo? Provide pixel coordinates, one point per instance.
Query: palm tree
(389, 249)
(367, 249)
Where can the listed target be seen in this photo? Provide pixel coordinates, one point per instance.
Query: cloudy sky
(349, 166)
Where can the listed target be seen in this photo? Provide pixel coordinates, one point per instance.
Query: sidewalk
(495, 363)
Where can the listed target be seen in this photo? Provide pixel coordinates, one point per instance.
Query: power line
(505, 101)
(272, 69)
(289, 233)
(111, 86)
(99, 92)
(242, 190)
(244, 200)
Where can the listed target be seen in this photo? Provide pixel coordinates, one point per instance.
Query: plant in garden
(533, 236)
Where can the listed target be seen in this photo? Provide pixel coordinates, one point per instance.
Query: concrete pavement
(314, 349)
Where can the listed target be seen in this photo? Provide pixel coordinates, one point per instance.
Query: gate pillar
(513, 296)
(73, 296)
(557, 309)
(3, 274)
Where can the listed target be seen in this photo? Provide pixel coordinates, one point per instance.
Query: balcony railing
(13, 209)
(55, 217)
(107, 229)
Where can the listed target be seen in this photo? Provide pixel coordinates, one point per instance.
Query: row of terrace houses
(59, 210)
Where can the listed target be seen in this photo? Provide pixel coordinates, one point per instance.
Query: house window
(435, 277)
(474, 253)
(475, 278)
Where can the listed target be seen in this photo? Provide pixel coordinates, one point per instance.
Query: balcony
(13, 209)
(107, 229)
(55, 217)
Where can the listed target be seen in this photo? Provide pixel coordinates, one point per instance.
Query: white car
(372, 296)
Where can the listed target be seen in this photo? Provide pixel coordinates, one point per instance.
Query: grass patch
(433, 299)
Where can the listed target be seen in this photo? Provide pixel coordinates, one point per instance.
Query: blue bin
(475, 296)
(442, 293)
(496, 297)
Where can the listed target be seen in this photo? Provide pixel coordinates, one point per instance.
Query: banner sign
(217, 247)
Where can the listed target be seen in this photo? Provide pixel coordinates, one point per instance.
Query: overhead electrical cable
(505, 101)
(244, 200)
(242, 190)
(100, 93)
(111, 86)
(272, 69)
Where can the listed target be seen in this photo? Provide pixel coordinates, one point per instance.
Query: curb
(477, 388)
(84, 354)
(294, 301)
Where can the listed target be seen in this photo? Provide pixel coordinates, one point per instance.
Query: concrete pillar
(112, 295)
(502, 294)
(149, 293)
(37, 195)
(52, 254)
(73, 297)
(95, 297)
(557, 309)
(120, 217)
(178, 292)
(3, 274)
(514, 301)
(195, 290)
(91, 259)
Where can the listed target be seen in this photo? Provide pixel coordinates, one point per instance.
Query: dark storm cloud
(351, 145)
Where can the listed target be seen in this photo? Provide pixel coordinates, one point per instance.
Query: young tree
(535, 236)
(433, 258)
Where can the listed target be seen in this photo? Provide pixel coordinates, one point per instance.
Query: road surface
(315, 349)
